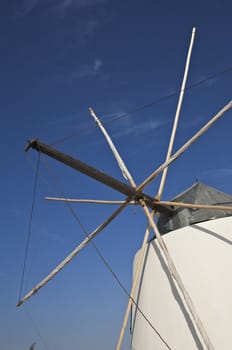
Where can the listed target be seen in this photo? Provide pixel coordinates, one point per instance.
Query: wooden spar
(96, 174)
(128, 176)
(94, 201)
(121, 164)
(134, 286)
(185, 146)
(176, 119)
(81, 167)
(169, 203)
(174, 273)
(77, 250)
(197, 206)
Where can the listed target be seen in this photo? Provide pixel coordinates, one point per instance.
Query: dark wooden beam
(97, 175)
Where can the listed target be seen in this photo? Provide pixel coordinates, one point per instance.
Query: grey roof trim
(198, 193)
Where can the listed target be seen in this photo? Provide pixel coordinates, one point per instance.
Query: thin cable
(145, 106)
(30, 224)
(166, 97)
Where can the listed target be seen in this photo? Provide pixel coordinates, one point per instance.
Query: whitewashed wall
(202, 254)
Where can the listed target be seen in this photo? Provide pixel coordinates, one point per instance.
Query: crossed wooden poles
(135, 195)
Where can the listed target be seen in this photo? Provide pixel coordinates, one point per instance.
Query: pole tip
(20, 302)
(31, 144)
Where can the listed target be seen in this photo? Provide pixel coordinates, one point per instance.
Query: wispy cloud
(79, 3)
(87, 27)
(15, 213)
(141, 128)
(51, 235)
(217, 173)
(208, 81)
(28, 5)
(57, 5)
(190, 123)
(88, 69)
(97, 65)
(89, 17)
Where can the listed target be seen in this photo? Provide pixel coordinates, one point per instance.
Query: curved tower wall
(202, 254)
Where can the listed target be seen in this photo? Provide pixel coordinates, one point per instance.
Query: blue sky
(58, 58)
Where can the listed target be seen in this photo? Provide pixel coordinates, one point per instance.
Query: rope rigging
(29, 227)
(142, 107)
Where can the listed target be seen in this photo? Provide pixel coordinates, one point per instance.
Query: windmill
(150, 205)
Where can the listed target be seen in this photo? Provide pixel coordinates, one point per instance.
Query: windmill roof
(198, 193)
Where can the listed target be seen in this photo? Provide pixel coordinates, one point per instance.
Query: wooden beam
(93, 201)
(97, 175)
(176, 119)
(197, 206)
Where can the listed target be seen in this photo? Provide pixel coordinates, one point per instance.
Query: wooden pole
(184, 147)
(94, 201)
(197, 206)
(94, 173)
(81, 167)
(72, 254)
(176, 119)
(134, 286)
(121, 164)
